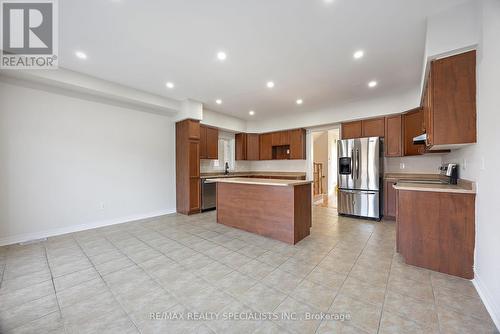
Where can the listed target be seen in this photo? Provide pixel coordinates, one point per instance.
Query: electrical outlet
(483, 163)
(101, 206)
(401, 165)
(464, 164)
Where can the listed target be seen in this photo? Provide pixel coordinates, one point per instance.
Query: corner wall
(68, 163)
(482, 160)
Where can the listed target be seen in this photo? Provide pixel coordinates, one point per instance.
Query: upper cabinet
(297, 144)
(393, 136)
(247, 146)
(280, 145)
(352, 130)
(449, 102)
(209, 142)
(413, 122)
(374, 127)
(266, 146)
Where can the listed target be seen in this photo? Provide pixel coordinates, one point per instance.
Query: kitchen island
(279, 209)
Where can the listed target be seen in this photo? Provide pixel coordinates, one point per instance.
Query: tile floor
(113, 279)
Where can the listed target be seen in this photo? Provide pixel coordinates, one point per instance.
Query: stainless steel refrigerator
(359, 177)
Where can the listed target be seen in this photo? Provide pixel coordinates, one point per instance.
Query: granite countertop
(263, 182)
(242, 174)
(463, 187)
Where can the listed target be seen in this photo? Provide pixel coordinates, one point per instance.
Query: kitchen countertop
(242, 174)
(412, 176)
(463, 187)
(262, 182)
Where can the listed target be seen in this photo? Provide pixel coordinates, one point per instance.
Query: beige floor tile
(363, 291)
(411, 288)
(318, 296)
(424, 314)
(306, 318)
(256, 269)
(272, 258)
(338, 327)
(282, 281)
(262, 298)
(465, 304)
(236, 284)
(452, 322)
(394, 324)
(328, 277)
(362, 315)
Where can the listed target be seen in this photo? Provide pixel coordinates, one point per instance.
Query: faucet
(226, 169)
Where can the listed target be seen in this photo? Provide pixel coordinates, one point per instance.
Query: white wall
(333, 137)
(483, 161)
(223, 121)
(453, 29)
(320, 155)
(62, 158)
(394, 103)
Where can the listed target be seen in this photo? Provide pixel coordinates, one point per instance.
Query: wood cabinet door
(252, 146)
(352, 130)
(276, 138)
(212, 143)
(390, 199)
(203, 142)
(193, 158)
(412, 127)
(427, 109)
(194, 194)
(298, 144)
(393, 136)
(266, 146)
(240, 146)
(373, 127)
(284, 138)
(193, 129)
(454, 99)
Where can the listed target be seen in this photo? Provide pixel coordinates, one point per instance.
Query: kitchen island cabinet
(278, 209)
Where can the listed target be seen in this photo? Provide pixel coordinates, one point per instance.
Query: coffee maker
(451, 171)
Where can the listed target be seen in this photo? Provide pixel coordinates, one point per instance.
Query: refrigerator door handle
(353, 164)
(357, 163)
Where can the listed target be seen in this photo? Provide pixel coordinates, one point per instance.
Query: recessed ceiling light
(218, 101)
(299, 101)
(270, 84)
(81, 55)
(221, 55)
(251, 112)
(358, 54)
(372, 84)
(170, 85)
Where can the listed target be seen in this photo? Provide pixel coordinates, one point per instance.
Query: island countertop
(263, 182)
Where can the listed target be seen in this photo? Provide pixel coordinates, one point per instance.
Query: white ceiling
(304, 46)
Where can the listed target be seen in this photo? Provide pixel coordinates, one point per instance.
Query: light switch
(401, 165)
(483, 163)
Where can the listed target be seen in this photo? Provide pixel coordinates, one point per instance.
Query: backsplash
(425, 164)
(208, 166)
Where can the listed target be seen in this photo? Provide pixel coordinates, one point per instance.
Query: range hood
(421, 139)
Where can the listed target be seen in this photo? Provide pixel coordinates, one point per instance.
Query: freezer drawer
(359, 203)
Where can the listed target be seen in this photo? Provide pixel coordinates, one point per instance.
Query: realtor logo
(29, 34)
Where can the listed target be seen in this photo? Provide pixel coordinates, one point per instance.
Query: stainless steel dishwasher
(208, 192)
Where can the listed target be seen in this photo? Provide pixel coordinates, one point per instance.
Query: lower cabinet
(390, 200)
(436, 230)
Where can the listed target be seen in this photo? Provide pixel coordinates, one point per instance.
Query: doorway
(324, 166)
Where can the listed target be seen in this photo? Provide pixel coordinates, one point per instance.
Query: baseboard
(76, 228)
(488, 301)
